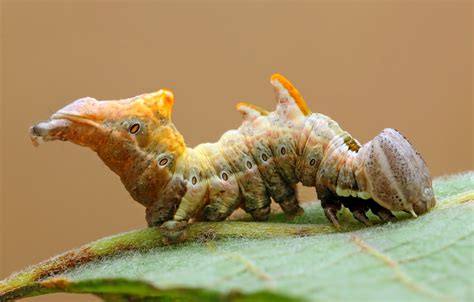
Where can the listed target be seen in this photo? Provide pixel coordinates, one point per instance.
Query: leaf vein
(395, 267)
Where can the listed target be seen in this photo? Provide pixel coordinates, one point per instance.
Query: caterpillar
(246, 168)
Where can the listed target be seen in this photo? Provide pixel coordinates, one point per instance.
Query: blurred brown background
(368, 65)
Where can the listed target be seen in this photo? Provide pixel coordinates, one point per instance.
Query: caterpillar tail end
(397, 175)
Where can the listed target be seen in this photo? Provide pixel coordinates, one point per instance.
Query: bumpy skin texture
(263, 159)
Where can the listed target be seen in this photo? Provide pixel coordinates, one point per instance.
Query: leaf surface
(428, 258)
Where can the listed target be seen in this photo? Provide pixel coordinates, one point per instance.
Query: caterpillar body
(262, 160)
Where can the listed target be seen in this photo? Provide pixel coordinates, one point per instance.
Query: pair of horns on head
(286, 94)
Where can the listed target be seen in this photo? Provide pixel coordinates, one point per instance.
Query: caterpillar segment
(256, 129)
(262, 160)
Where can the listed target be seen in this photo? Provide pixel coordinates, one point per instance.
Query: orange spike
(250, 106)
(250, 112)
(294, 93)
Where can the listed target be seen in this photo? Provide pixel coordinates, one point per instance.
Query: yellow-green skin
(262, 160)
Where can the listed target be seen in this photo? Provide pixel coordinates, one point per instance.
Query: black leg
(358, 208)
(384, 214)
(331, 205)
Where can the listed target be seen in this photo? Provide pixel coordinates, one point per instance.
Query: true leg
(358, 208)
(384, 214)
(331, 205)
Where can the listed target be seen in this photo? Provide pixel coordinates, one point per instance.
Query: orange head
(127, 134)
(91, 122)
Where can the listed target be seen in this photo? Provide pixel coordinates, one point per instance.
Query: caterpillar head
(119, 131)
(397, 176)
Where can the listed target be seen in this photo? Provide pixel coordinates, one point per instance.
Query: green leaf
(428, 258)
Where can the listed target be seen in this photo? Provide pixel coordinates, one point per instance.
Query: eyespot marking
(283, 150)
(312, 162)
(264, 157)
(134, 128)
(224, 176)
(194, 180)
(249, 164)
(163, 162)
